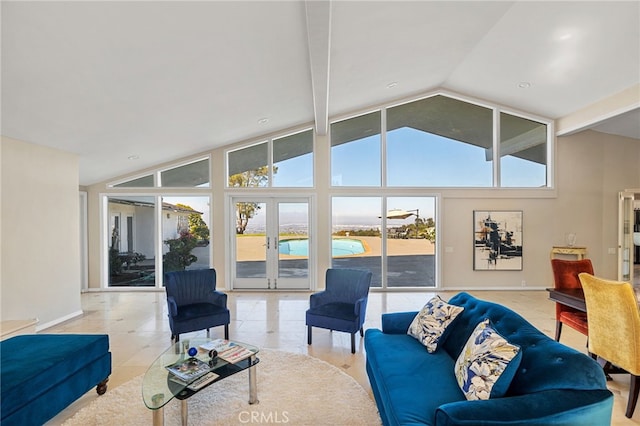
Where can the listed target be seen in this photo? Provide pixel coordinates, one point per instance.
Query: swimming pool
(339, 247)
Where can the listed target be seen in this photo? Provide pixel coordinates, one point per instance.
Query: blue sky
(417, 158)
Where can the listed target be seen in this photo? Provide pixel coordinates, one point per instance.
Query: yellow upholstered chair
(614, 327)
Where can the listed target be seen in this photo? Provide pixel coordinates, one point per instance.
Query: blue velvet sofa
(553, 385)
(41, 374)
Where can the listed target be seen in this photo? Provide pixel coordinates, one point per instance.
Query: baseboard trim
(58, 321)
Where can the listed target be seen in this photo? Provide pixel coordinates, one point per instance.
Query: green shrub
(179, 255)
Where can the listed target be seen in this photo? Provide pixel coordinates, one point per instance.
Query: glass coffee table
(159, 385)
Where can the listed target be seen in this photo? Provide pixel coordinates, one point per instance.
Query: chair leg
(558, 330)
(208, 333)
(175, 338)
(308, 335)
(226, 331)
(361, 332)
(353, 343)
(606, 368)
(634, 389)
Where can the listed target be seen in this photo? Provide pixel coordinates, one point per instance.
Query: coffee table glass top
(157, 386)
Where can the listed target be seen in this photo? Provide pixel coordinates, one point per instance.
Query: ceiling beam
(319, 40)
(594, 114)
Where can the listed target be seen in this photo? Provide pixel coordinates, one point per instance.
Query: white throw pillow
(430, 324)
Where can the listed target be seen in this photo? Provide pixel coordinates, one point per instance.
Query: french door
(271, 244)
(625, 236)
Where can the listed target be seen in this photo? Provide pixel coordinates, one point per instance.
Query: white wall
(591, 168)
(40, 258)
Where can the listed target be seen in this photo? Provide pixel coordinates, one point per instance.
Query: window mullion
(270, 161)
(496, 148)
(383, 147)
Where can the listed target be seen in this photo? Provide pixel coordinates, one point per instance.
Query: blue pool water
(339, 247)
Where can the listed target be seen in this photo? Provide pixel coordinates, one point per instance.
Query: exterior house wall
(143, 221)
(122, 212)
(145, 241)
(170, 226)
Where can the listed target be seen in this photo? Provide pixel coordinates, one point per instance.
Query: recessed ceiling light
(392, 85)
(264, 120)
(133, 157)
(524, 85)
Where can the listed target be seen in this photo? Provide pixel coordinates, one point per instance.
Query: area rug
(293, 389)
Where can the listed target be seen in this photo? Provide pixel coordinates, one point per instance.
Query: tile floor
(138, 330)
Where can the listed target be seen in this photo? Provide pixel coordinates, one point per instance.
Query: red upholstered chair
(565, 275)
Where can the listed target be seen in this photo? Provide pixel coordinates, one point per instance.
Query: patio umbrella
(399, 214)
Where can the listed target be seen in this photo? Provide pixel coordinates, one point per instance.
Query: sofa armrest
(397, 322)
(557, 407)
(172, 306)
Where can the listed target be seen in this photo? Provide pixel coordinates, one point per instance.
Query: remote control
(202, 381)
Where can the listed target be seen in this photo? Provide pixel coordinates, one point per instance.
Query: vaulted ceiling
(163, 80)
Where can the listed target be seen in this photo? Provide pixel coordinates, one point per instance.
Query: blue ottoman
(41, 374)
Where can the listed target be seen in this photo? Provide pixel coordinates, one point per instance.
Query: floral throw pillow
(485, 367)
(430, 324)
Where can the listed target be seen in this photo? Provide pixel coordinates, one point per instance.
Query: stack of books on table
(188, 370)
(235, 354)
(228, 351)
(219, 345)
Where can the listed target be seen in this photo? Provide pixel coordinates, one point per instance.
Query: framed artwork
(497, 240)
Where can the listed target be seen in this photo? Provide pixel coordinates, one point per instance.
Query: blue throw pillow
(485, 367)
(430, 324)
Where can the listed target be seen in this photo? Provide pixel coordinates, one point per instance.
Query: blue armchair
(342, 305)
(193, 302)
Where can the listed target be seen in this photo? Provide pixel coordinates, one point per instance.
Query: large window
(383, 215)
(249, 166)
(185, 233)
(439, 142)
(293, 160)
(523, 152)
(285, 162)
(398, 247)
(192, 174)
(130, 246)
(355, 151)
(410, 241)
(141, 182)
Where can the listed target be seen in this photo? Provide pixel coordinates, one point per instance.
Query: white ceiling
(164, 80)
